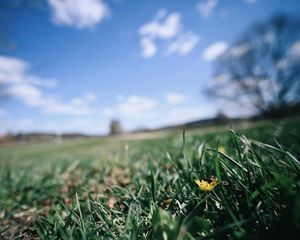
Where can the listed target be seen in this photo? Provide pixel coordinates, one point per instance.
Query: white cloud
(11, 69)
(90, 97)
(24, 92)
(206, 7)
(149, 48)
(174, 98)
(282, 64)
(34, 97)
(140, 111)
(294, 50)
(239, 50)
(218, 49)
(136, 105)
(49, 83)
(132, 106)
(71, 108)
(168, 28)
(14, 70)
(184, 44)
(17, 82)
(162, 26)
(78, 13)
(214, 50)
(108, 112)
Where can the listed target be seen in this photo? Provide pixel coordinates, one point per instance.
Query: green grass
(124, 189)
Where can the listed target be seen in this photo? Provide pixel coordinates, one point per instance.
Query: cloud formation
(174, 98)
(184, 44)
(142, 111)
(294, 50)
(149, 48)
(18, 83)
(214, 50)
(78, 13)
(238, 50)
(168, 28)
(132, 106)
(162, 26)
(206, 7)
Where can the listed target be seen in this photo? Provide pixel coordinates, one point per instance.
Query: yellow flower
(205, 186)
(222, 149)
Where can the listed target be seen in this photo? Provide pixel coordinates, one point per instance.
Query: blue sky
(80, 63)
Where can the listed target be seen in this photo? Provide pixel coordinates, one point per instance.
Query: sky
(77, 64)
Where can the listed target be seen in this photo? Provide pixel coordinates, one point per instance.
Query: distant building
(115, 127)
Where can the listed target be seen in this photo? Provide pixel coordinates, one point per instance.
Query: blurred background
(97, 67)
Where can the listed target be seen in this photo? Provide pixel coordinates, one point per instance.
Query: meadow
(119, 188)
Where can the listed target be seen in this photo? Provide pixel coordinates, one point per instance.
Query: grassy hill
(143, 186)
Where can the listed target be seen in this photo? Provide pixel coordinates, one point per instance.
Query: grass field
(116, 188)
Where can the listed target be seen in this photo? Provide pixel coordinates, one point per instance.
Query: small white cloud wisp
(79, 13)
(162, 26)
(184, 44)
(206, 7)
(174, 98)
(214, 50)
(133, 106)
(149, 48)
(18, 83)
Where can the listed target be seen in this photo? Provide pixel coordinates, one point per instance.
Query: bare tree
(262, 69)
